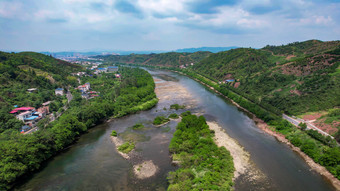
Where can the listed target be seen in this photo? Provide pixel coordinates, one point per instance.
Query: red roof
(22, 109)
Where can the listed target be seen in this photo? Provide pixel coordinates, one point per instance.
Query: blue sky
(84, 25)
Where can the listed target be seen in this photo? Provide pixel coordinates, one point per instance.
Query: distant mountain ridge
(208, 49)
(169, 59)
(79, 54)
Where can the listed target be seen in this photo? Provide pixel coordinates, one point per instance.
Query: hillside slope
(170, 59)
(296, 78)
(21, 71)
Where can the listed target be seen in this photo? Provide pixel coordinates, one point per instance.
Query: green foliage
(333, 115)
(160, 120)
(170, 59)
(126, 147)
(114, 133)
(186, 113)
(138, 126)
(204, 166)
(303, 126)
(173, 116)
(176, 106)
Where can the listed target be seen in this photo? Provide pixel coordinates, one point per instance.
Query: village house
(229, 80)
(25, 115)
(32, 90)
(84, 88)
(84, 95)
(44, 110)
(59, 91)
(100, 70)
(112, 68)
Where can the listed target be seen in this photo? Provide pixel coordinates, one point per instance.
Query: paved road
(297, 121)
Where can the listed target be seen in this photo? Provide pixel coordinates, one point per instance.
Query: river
(92, 163)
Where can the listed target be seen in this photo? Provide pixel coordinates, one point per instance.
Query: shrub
(176, 106)
(160, 120)
(138, 126)
(114, 133)
(173, 116)
(126, 147)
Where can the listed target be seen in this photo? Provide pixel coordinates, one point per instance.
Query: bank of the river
(266, 128)
(240, 156)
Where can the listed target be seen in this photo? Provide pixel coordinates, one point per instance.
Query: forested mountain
(170, 59)
(295, 78)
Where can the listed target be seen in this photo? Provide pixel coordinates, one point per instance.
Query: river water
(94, 164)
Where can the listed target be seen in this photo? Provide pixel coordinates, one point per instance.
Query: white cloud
(317, 20)
(163, 6)
(10, 9)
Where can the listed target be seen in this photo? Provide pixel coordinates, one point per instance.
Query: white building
(59, 91)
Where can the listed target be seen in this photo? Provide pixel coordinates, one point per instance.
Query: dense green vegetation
(114, 133)
(126, 147)
(203, 165)
(173, 116)
(176, 106)
(170, 59)
(20, 154)
(160, 120)
(138, 126)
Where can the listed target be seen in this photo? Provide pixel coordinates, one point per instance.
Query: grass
(173, 116)
(126, 147)
(176, 106)
(138, 126)
(160, 120)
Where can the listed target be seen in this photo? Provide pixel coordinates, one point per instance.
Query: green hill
(22, 71)
(170, 59)
(295, 78)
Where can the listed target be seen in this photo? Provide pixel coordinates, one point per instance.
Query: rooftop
(22, 109)
(25, 113)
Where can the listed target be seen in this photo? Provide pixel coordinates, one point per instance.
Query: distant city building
(100, 70)
(59, 91)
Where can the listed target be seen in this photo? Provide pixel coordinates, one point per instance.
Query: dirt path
(241, 158)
